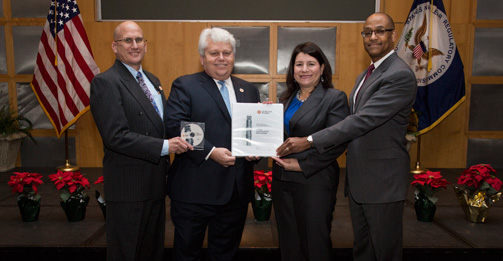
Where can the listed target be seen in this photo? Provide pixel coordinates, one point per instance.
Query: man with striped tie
(128, 106)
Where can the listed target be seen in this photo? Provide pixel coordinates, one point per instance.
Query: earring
(322, 80)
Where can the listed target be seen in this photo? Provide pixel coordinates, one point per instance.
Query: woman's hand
(289, 164)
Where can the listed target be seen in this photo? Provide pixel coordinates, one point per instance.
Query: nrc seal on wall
(416, 43)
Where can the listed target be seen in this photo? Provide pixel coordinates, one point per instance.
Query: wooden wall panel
(397, 9)
(172, 52)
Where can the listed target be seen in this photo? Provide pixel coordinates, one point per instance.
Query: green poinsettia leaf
(432, 199)
(37, 197)
(491, 191)
(64, 194)
(484, 186)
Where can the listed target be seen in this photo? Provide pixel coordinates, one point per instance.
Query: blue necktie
(144, 87)
(225, 95)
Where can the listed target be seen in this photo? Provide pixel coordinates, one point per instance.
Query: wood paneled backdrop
(172, 52)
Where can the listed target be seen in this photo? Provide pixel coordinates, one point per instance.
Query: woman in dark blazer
(304, 200)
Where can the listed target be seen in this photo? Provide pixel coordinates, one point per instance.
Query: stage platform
(449, 237)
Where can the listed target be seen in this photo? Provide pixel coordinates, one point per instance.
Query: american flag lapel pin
(241, 90)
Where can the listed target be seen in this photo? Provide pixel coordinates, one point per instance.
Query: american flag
(419, 50)
(63, 71)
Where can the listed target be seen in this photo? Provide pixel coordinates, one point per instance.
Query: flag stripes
(62, 86)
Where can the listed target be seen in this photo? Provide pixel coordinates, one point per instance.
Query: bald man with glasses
(128, 106)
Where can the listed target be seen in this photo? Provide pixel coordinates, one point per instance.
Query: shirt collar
(228, 82)
(376, 64)
(133, 71)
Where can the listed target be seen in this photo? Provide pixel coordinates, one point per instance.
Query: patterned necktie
(369, 72)
(139, 78)
(225, 95)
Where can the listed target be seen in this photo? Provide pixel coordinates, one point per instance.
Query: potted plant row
(71, 185)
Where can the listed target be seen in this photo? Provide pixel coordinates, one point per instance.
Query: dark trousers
(378, 230)
(304, 214)
(135, 230)
(225, 225)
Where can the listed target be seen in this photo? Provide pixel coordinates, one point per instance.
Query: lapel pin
(160, 88)
(241, 90)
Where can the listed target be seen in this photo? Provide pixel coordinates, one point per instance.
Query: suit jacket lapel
(311, 103)
(157, 86)
(208, 84)
(374, 76)
(238, 90)
(381, 69)
(133, 87)
(352, 94)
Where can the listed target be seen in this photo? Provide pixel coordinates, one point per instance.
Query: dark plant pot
(425, 209)
(30, 209)
(75, 209)
(262, 209)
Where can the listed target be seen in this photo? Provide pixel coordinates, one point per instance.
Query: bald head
(126, 26)
(385, 16)
(378, 45)
(129, 45)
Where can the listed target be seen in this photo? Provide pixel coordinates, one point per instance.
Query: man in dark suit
(209, 188)
(129, 116)
(377, 160)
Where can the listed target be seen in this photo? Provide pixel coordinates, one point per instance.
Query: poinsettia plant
(26, 184)
(262, 182)
(429, 183)
(70, 184)
(481, 177)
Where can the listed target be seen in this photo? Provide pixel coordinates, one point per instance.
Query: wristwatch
(310, 140)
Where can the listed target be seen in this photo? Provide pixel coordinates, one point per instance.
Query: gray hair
(217, 35)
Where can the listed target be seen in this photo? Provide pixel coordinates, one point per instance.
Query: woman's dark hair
(313, 50)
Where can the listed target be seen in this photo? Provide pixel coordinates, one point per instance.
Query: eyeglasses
(128, 40)
(378, 32)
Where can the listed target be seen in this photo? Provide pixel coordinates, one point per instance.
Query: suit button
(147, 133)
(140, 113)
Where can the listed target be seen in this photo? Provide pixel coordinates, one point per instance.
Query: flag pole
(56, 33)
(67, 166)
(429, 37)
(417, 169)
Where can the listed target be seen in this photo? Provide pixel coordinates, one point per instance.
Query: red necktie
(369, 72)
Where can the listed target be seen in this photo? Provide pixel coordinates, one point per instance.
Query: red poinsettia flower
(22, 180)
(100, 180)
(494, 182)
(77, 180)
(71, 179)
(430, 180)
(60, 178)
(480, 177)
(262, 178)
